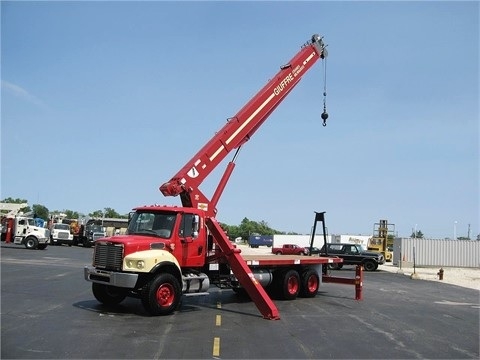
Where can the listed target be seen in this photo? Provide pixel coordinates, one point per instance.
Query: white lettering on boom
(283, 84)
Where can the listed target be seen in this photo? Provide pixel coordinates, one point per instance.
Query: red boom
(238, 130)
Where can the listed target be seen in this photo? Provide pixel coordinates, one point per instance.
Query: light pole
(455, 230)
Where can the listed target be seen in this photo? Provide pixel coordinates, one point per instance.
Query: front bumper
(113, 278)
(43, 240)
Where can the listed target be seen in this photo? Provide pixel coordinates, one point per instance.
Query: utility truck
(21, 229)
(174, 251)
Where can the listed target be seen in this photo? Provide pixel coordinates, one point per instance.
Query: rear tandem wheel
(286, 284)
(310, 283)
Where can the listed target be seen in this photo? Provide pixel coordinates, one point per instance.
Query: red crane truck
(172, 251)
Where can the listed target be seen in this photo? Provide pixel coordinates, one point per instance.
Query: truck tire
(108, 295)
(86, 243)
(370, 265)
(310, 283)
(334, 266)
(278, 253)
(161, 295)
(286, 284)
(31, 243)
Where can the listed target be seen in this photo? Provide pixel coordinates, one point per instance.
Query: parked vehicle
(20, 229)
(86, 233)
(353, 254)
(60, 234)
(254, 241)
(313, 251)
(290, 249)
(382, 239)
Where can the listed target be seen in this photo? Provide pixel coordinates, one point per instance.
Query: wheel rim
(30, 243)
(165, 295)
(312, 284)
(292, 285)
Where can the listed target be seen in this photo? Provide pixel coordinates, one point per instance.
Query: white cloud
(21, 93)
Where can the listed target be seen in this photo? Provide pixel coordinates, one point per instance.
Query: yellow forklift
(382, 239)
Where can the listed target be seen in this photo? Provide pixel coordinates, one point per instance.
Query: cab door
(192, 239)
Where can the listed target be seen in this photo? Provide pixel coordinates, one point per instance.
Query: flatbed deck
(265, 260)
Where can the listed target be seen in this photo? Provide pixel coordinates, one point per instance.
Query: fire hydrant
(440, 274)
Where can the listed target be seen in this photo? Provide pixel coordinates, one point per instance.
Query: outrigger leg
(242, 272)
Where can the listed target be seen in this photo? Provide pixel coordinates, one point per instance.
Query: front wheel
(108, 295)
(370, 265)
(161, 295)
(31, 243)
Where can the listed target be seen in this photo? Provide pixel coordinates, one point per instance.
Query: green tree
(111, 213)
(96, 214)
(419, 235)
(107, 213)
(71, 214)
(40, 211)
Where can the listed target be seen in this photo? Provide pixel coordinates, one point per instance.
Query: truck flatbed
(265, 260)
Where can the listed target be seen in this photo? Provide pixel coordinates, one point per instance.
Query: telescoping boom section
(239, 129)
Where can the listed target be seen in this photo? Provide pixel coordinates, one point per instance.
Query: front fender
(146, 261)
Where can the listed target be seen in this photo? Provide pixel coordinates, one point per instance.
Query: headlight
(139, 264)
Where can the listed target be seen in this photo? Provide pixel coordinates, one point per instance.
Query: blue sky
(102, 102)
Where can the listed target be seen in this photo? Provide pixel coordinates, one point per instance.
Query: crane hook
(324, 117)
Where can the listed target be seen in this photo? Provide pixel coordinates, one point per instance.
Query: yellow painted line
(218, 320)
(216, 346)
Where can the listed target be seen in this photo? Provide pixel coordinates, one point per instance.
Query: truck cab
(24, 231)
(60, 234)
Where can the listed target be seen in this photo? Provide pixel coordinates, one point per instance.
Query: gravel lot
(465, 277)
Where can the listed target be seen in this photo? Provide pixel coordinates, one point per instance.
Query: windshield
(152, 223)
(62, 227)
(97, 228)
(361, 248)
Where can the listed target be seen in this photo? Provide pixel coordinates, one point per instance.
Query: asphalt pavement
(49, 312)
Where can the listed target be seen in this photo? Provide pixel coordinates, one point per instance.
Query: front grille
(63, 235)
(108, 256)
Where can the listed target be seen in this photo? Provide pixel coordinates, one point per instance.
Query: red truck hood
(134, 243)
